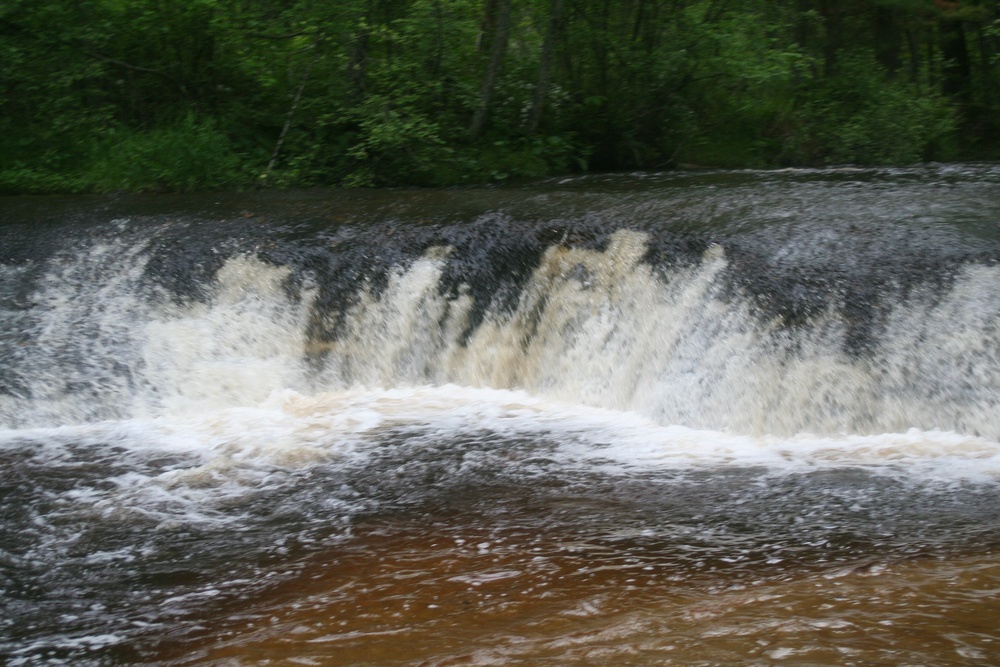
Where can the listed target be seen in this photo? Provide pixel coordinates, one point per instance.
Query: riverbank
(142, 96)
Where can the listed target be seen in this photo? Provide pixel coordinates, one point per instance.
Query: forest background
(156, 95)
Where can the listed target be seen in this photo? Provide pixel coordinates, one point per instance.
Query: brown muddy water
(447, 595)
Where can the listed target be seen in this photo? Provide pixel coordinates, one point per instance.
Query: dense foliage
(195, 94)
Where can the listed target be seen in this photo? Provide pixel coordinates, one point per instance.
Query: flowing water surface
(743, 418)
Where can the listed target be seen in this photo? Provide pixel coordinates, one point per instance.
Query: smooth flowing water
(743, 418)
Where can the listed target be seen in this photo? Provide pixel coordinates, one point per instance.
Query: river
(705, 418)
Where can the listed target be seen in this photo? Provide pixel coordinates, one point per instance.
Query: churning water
(694, 419)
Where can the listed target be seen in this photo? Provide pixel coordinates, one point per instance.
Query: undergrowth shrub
(859, 117)
(192, 154)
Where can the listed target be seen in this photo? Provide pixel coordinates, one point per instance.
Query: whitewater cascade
(205, 398)
(681, 342)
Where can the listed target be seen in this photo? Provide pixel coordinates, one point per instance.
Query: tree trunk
(957, 68)
(989, 81)
(498, 49)
(914, 49)
(545, 64)
(833, 15)
(888, 40)
(357, 64)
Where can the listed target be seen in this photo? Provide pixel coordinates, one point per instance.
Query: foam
(289, 430)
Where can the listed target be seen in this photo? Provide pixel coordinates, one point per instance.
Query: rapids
(704, 418)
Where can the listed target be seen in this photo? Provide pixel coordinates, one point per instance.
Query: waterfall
(680, 343)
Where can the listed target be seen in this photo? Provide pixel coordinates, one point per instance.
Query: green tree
(145, 94)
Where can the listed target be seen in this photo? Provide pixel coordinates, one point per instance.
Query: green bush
(26, 180)
(859, 117)
(192, 154)
(395, 144)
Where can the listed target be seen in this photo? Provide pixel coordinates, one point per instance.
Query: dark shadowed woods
(106, 95)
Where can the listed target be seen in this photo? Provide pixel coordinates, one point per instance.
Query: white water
(625, 365)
